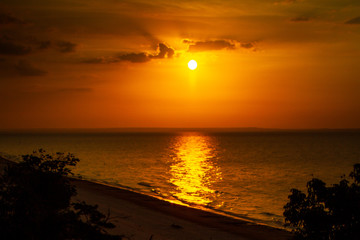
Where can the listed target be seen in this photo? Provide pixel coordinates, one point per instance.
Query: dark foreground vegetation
(331, 213)
(35, 202)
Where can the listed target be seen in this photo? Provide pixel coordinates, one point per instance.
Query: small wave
(103, 182)
(145, 184)
(269, 214)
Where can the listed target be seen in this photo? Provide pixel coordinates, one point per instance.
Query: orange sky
(112, 63)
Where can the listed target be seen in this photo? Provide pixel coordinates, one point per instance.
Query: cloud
(247, 45)
(353, 21)
(17, 40)
(43, 44)
(101, 60)
(65, 47)
(19, 46)
(10, 48)
(134, 57)
(61, 46)
(7, 19)
(163, 51)
(124, 57)
(25, 68)
(200, 46)
(300, 19)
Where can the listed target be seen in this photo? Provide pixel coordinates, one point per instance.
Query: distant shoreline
(179, 130)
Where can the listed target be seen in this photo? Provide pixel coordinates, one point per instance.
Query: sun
(192, 64)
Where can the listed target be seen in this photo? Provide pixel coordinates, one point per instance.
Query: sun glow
(192, 64)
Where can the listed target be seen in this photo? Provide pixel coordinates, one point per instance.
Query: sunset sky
(123, 63)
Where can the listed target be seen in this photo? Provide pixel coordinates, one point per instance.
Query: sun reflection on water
(194, 170)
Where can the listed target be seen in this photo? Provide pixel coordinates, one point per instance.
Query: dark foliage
(331, 213)
(35, 202)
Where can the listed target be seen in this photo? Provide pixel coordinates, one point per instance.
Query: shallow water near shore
(243, 174)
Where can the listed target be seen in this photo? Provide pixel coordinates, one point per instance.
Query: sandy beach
(142, 217)
(138, 216)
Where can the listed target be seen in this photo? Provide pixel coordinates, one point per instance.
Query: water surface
(247, 174)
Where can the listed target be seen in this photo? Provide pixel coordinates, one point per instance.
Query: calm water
(248, 175)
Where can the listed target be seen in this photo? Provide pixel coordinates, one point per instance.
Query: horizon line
(167, 129)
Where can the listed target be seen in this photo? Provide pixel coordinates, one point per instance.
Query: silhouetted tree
(35, 202)
(331, 213)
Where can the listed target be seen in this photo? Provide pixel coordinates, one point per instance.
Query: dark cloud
(65, 47)
(199, 46)
(353, 21)
(17, 41)
(25, 68)
(247, 45)
(43, 44)
(7, 19)
(101, 60)
(134, 57)
(163, 51)
(61, 46)
(19, 46)
(300, 19)
(10, 48)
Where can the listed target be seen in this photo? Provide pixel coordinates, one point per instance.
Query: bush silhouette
(35, 202)
(331, 213)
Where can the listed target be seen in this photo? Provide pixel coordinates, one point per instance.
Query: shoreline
(180, 203)
(226, 224)
(140, 216)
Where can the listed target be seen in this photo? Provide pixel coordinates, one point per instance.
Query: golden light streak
(194, 171)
